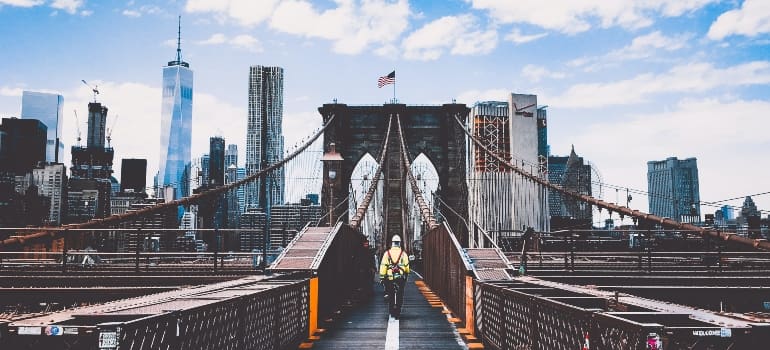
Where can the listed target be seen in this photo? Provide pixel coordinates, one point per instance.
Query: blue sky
(625, 81)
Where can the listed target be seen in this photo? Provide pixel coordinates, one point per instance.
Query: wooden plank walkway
(368, 326)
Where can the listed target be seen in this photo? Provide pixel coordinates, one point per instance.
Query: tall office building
(510, 130)
(231, 155)
(203, 171)
(95, 160)
(216, 161)
(574, 174)
(47, 108)
(490, 194)
(543, 150)
(233, 208)
(673, 189)
(90, 188)
(727, 212)
(51, 180)
(264, 134)
(176, 125)
(133, 175)
(23, 145)
(530, 200)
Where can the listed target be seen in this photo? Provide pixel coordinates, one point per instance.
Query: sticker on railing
(654, 342)
(108, 340)
(30, 331)
(53, 330)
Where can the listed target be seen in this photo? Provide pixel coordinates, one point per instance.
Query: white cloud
(215, 39)
(247, 42)
(518, 37)
(646, 45)
(138, 109)
(132, 13)
(472, 96)
(71, 6)
(459, 35)
(142, 10)
(641, 47)
(570, 16)
(245, 12)
(752, 19)
(708, 129)
(21, 3)
(353, 26)
(10, 92)
(696, 77)
(536, 73)
(243, 41)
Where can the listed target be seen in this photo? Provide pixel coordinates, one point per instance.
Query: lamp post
(332, 161)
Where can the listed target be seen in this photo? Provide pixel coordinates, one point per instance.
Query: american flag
(387, 79)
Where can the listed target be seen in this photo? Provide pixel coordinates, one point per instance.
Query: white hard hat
(396, 238)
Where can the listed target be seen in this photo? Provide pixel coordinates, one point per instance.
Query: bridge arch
(428, 130)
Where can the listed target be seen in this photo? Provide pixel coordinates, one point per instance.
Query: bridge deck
(367, 326)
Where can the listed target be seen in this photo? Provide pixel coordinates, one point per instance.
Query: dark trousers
(395, 308)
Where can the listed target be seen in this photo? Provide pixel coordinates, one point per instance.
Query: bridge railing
(509, 319)
(522, 315)
(146, 249)
(446, 270)
(268, 314)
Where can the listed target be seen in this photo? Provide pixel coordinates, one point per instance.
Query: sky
(625, 81)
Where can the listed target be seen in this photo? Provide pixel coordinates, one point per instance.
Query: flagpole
(394, 85)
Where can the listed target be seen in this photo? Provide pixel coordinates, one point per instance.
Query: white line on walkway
(391, 339)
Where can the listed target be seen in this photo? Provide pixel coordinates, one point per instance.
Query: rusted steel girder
(194, 199)
(667, 222)
(355, 222)
(425, 212)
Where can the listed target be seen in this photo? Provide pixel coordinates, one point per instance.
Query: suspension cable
(427, 215)
(355, 222)
(194, 199)
(727, 236)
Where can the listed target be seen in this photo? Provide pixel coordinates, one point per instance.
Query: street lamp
(332, 161)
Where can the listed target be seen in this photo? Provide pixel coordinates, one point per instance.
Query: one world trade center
(175, 128)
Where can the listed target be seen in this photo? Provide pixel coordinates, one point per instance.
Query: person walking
(394, 270)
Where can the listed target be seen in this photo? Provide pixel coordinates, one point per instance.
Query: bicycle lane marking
(391, 339)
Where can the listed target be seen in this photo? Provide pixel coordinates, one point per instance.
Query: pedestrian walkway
(368, 326)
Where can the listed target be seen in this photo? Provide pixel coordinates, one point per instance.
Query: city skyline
(670, 79)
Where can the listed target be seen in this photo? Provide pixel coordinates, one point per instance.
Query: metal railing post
(566, 260)
(640, 241)
(719, 252)
(649, 254)
(216, 248)
(572, 253)
(138, 241)
(64, 252)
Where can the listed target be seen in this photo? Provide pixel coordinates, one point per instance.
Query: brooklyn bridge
(660, 284)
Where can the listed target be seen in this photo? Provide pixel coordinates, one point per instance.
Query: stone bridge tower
(431, 130)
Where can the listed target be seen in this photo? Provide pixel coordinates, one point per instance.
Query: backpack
(394, 267)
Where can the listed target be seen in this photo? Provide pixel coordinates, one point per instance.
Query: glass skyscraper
(176, 126)
(47, 108)
(264, 134)
(673, 189)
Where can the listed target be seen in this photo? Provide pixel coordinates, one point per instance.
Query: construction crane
(95, 89)
(111, 129)
(77, 126)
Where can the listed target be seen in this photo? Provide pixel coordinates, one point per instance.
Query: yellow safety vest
(397, 268)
